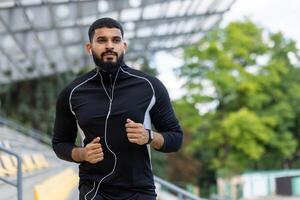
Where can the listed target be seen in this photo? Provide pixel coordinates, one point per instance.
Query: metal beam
(14, 65)
(50, 8)
(33, 31)
(11, 33)
(168, 30)
(70, 2)
(137, 22)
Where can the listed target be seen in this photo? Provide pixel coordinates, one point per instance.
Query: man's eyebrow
(100, 37)
(104, 37)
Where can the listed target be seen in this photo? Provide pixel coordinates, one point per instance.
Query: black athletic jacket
(98, 104)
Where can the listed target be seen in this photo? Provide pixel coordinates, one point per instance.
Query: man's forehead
(109, 32)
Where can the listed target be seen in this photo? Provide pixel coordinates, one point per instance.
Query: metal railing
(181, 193)
(27, 131)
(18, 182)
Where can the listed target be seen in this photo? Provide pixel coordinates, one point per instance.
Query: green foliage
(187, 115)
(189, 121)
(32, 102)
(147, 68)
(249, 76)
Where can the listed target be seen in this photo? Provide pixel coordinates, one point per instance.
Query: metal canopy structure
(42, 37)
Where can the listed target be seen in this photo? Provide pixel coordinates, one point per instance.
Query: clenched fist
(136, 133)
(93, 152)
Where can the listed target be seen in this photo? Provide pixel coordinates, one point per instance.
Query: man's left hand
(136, 132)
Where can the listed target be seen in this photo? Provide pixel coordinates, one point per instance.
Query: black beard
(108, 66)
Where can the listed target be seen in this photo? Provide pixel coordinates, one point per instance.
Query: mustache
(109, 52)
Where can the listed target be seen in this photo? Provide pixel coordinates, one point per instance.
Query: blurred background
(231, 68)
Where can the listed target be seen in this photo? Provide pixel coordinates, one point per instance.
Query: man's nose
(109, 45)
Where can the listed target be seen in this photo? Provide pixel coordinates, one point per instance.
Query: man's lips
(109, 54)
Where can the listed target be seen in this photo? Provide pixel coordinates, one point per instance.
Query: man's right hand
(93, 152)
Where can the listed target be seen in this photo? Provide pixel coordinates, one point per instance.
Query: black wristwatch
(151, 135)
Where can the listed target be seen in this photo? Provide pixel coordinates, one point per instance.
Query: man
(113, 107)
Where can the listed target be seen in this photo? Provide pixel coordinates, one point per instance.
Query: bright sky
(272, 15)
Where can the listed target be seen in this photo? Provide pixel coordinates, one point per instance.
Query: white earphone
(91, 52)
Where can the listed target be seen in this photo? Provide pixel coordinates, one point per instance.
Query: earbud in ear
(91, 52)
(124, 51)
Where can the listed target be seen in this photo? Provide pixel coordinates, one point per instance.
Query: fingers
(132, 124)
(96, 157)
(94, 151)
(94, 144)
(136, 132)
(134, 140)
(96, 160)
(133, 130)
(133, 135)
(96, 140)
(129, 120)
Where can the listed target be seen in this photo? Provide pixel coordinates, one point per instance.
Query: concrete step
(9, 192)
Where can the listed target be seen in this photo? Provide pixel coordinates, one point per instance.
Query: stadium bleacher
(39, 166)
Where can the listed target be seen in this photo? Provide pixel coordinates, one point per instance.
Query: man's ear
(88, 48)
(125, 47)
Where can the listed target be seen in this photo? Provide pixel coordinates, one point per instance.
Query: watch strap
(150, 134)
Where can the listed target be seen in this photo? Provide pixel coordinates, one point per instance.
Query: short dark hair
(104, 22)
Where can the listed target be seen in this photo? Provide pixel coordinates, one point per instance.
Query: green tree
(245, 83)
(146, 67)
(32, 102)
(183, 168)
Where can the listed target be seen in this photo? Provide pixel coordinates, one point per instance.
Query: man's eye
(101, 41)
(117, 40)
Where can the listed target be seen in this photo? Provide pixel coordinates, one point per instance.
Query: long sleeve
(65, 128)
(164, 120)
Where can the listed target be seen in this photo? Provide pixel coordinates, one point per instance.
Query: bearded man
(114, 108)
